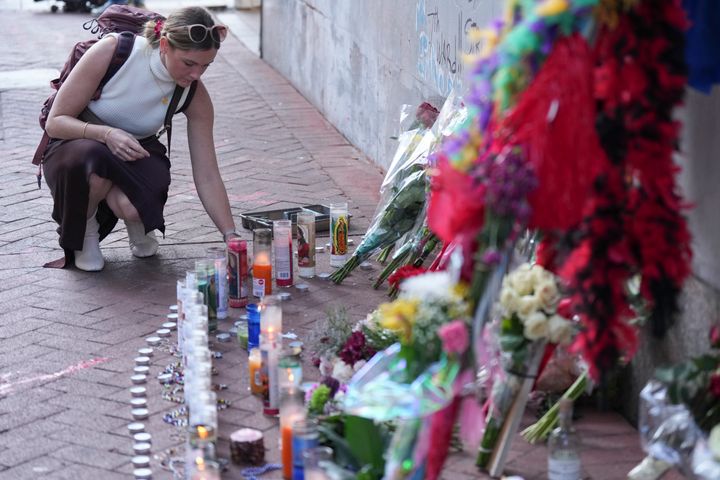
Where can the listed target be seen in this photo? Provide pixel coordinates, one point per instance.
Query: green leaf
(341, 448)
(366, 441)
(511, 342)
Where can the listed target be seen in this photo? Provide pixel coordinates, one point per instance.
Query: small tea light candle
(141, 370)
(142, 361)
(142, 448)
(138, 392)
(138, 402)
(140, 461)
(140, 413)
(163, 332)
(170, 325)
(153, 341)
(136, 427)
(146, 352)
(138, 379)
(142, 437)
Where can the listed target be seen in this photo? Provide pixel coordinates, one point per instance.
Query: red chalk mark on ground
(8, 388)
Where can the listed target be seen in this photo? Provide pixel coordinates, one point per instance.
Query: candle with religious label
(282, 247)
(262, 264)
(292, 406)
(219, 258)
(254, 364)
(237, 271)
(306, 244)
(338, 234)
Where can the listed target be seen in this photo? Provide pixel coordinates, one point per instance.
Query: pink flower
(454, 336)
(715, 336)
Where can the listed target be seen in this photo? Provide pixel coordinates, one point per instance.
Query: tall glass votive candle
(315, 459)
(306, 244)
(270, 318)
(253, 314)
(205, 271)
(254, 366)
(304, 437)
(218, 257)
(262, 262)
(282, 247)
(292, 410)
(237, 271)
(339, 228)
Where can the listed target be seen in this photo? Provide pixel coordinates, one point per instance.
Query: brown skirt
(67, 166)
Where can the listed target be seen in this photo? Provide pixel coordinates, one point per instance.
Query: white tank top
(136, 98)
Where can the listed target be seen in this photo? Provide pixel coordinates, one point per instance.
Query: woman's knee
(121, 205)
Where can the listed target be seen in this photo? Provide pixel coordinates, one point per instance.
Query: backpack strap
(172, 110)
(126, 41)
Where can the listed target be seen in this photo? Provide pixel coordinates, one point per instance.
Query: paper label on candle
(259, 287)
(339, 230)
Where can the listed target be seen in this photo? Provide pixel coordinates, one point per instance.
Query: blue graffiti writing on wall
(442, 43)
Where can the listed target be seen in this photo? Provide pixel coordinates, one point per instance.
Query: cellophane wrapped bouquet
(680, 418)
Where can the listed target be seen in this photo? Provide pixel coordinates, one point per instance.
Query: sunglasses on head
(199, 32)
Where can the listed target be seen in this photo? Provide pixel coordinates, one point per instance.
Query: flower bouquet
(528, 320)
(415, 381)
(400, 212)
(680, 418)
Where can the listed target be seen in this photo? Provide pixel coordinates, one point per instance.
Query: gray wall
(358, 62)
(700, 303)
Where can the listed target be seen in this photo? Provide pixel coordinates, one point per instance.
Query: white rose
(342, 372)
(561, 330)
(359, 364)
(536, 326)
(522, 283)
(547, 293)
(526, 305)
(509, 300)
(714, 442)
(326, 366)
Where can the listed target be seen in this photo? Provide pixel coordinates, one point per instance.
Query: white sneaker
(90, 257)
(141, 245)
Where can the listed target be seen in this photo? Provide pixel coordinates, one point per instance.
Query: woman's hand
(123, 145)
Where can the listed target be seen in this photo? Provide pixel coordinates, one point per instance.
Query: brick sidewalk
(59, 420)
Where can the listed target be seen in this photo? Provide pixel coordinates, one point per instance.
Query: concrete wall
(700, 303)
(358, 62)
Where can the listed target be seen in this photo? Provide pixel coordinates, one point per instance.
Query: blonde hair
(173, 28)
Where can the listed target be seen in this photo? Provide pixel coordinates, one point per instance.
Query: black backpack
(127, 21)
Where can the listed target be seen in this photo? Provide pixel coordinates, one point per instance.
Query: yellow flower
(399, 316)
(549, 8)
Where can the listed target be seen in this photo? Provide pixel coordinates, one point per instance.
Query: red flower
(715, 336)
(456, 202)
(715, 384)
(402, 273)
(355, 348)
